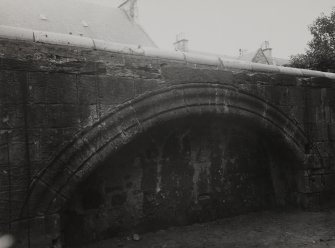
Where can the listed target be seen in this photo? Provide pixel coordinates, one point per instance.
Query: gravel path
(265, 229)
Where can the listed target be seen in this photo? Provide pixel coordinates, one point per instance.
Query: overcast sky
(224, 26)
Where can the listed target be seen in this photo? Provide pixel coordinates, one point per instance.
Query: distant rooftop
(262, 55)
(74, 17)
(250, 57)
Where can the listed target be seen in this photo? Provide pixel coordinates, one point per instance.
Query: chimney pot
(267, 51)
(181, 43)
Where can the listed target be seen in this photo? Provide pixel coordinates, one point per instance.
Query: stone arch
(51, 189)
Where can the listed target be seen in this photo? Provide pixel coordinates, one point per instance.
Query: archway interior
(184, 171)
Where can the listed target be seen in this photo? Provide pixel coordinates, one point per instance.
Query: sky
(225, 26)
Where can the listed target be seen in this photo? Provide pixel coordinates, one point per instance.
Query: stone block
(37, 115)
(40, 200)
(318, 131)
(280, 95)
(312, 161)
(303, 183)
(329, 181)
(316, 114)
(115, 90)
(316, 183)
(37, 87)
(285, 96)
(104, 110)
(52, 225)
(261, 91)
(12, 84)
(142, 67)
(15, 64)
(321, 113)
(322, 148)
(109, 59)
(182, 74)
(331, 131)
(57, 176)
(69, 134)
(145, 85)
(20, 230)
(52, 88)
(62, 88)
(11, 116)
(260, 78)
(88, 115)
(242, 78)
(17, 152)
(330, 96)
(331, 107)
(87, 90)
(44, 143)
(309, 201)
(320, 82)
(5, 199)
(17, 201)
(132, 66)
(295, 96)
(63, 115)
(3, 148)
(313, 97)
(19, 175)
(38, 234)
(297, 114)
(285, 80)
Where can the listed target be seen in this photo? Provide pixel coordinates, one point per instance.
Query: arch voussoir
(136, 116)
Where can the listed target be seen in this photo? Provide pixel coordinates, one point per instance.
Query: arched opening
(183, 171)
(265, 143)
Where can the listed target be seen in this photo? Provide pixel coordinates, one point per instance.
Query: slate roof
(76, 17)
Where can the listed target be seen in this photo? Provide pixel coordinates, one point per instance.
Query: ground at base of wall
(262, 229)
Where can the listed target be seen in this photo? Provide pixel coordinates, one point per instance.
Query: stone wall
(182, 172)
(52, 97)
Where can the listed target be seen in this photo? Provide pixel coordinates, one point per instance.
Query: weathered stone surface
(329, 181)
(12, 85)
(63, 115)
(182, 75)
(52, 88)
(115, 90)
(4, 158)
(52, 97)
(87, 89)
(11, 116)
(179, 173)
(146, 85)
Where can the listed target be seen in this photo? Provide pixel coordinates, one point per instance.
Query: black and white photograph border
(167, 124)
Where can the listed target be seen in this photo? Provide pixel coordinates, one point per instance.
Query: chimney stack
(267, 51)
(131, 9)
(242, 52)
(181, 43)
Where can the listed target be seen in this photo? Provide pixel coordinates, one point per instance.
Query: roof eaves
(94, 44)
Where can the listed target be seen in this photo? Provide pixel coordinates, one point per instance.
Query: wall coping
(14, 33)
